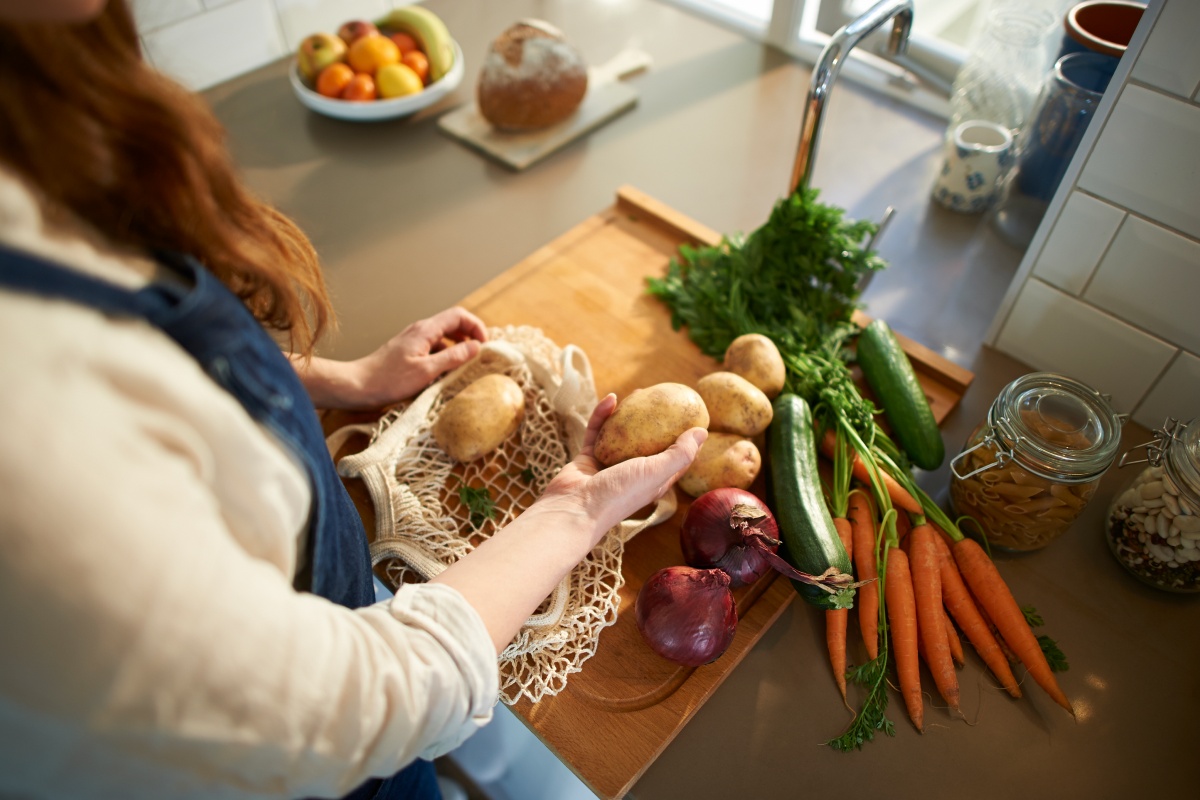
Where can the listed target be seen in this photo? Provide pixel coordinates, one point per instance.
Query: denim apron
(214, 326)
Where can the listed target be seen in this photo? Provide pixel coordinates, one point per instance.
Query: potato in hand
(648, 421)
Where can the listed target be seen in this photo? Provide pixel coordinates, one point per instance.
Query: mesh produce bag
(422, 525)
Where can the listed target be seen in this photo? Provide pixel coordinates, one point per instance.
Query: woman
(185, 596)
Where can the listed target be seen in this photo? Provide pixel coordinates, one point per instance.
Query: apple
(318, 51)
(356, 29)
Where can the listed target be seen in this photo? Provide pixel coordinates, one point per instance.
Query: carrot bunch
(933, 581)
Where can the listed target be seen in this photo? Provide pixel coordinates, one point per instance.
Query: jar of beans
(1154, 524)
(1029, 469)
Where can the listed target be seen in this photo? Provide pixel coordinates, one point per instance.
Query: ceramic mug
(977, 155)
(1100, 26)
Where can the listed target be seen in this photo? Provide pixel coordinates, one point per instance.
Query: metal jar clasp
(1002, 457)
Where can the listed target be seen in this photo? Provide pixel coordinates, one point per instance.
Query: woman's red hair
(99, 132)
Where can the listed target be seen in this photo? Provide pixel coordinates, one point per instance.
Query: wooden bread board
(587, 288)
(606, 98)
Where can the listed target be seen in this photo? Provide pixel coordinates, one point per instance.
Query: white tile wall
(1145, 158)
(208, 48)
(1081, 235)
(302, 17)
(151, 15)
(201, 43)
(1057, 333)
(1109, 291)
(1171, 60)
(1149, 277)
(1175, 394)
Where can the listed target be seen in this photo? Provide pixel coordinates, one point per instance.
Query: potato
(757, 359)
(735, 405)
(725, 459)
(480, 417)
(648, 421)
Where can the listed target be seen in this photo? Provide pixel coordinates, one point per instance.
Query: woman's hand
(401, 368)
(511, 573)
(605, 496)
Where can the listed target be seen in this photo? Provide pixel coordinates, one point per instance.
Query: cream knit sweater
(151, 644)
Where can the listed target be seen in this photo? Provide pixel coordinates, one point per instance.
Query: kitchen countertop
(408, 221)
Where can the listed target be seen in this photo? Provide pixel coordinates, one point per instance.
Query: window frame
(922, 77)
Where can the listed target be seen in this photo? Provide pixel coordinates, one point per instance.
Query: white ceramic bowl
(371, 110)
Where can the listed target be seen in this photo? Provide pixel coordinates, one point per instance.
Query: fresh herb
(1055, 657)
(526, 476)
(794, 280)
(872, 675)
(1032, 616)
(479, 504)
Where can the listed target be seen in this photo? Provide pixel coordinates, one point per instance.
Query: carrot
(899, 495)
(1004, 648)
(962, 607)
(903, 529)
(902, 619)
(862, 529)
(931, 625)
(993, 594)
(956, 648)
(836, 619)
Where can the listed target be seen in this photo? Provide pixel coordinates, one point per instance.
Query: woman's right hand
(511, 573)
(602, 496)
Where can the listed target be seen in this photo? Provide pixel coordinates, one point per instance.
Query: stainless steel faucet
(830, 64)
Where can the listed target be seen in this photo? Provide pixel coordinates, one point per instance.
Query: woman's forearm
(508, 576)
(332, 384)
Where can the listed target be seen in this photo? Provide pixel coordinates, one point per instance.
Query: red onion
(687, 615)
(729, 529)
(734, 531)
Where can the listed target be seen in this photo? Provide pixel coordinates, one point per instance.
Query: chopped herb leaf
(479, 503)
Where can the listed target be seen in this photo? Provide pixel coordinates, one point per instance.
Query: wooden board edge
(780, 586)
(634, 201)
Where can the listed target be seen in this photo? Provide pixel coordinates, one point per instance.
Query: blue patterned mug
(977, 155)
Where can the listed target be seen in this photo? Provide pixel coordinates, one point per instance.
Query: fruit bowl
(372, 110)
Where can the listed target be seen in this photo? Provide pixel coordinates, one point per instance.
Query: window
(923, 76)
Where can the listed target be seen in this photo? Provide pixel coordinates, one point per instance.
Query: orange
(360, 87)
(333, 79)
(404, 41)
(371, 52)
(418, 62)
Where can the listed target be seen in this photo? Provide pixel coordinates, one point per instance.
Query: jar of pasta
(1154, 524)
(1029, 469)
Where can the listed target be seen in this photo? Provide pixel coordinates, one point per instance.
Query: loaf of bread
(531, 78)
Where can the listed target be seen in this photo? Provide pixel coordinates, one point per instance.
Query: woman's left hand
(402, 367)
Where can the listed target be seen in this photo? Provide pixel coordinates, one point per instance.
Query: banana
(429, 30)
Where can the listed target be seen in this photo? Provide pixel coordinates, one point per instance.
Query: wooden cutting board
(588, 288)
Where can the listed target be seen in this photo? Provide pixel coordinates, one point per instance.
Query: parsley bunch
(795, 280)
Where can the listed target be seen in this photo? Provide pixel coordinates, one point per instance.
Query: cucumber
(890, 375)
(810, 542)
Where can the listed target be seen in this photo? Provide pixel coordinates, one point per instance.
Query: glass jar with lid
(1154, 524)
(1029, 469)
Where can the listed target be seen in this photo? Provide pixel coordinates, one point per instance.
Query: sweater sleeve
(154, 645)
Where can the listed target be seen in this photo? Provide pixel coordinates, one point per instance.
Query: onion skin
(722, 529)
(687, 615)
